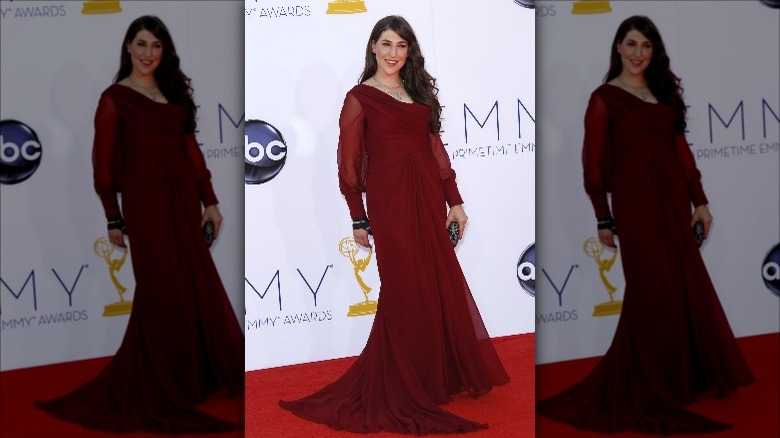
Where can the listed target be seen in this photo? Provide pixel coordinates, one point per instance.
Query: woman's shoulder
(110, 97)
(611, 92)
(605, 89)
(116, 97)
(106, 91)
(359, 95)
(114, 88)
(610, 95)
(122, 89)
(116, 92)
(358, 90)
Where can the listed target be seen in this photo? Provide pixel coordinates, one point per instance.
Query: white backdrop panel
(712, 48)
(56, 60)
(300, 62)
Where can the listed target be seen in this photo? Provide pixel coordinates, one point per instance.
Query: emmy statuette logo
(590, 7)
(93, 7)
(350, 249)
(346, 7)
(595, 249)
(104, 248)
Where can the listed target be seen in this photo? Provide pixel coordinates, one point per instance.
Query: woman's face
(145, 52)
(391, 51)
(636, 52)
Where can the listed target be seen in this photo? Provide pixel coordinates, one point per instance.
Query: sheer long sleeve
(595, 155)
(692, 174)
(106, 156)
(352, 157)
(447, 173)
(202, 174)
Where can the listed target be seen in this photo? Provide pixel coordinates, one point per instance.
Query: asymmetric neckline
(633, 95)
(388, 95)
(141, 94)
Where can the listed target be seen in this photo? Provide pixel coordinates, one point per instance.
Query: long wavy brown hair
(173, 83)
(420, 85)
(663, 83)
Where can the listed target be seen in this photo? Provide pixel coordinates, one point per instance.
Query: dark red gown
(672, 341)
(428, 341)
(183, 341)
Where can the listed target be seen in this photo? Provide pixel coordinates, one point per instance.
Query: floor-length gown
(673, 341)
(428, 341)
(183, 341)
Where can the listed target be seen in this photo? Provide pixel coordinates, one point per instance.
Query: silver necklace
(149, 92)
(639, 92)
(387, 89)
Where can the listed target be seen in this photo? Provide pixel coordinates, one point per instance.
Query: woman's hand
(361, 237)
(702, 213)
(117, 237)
(211, 213)
(607, 238)
(458, 215)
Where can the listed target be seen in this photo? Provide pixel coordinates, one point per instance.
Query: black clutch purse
(698, 232)
(208, 233)
(453, 229)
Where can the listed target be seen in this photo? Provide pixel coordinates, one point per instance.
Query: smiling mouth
(391, 62)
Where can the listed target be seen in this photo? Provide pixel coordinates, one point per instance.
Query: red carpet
(20, 419)
(507, 409)
(754, 409)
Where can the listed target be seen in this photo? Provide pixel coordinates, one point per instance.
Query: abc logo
(775, 4)
(770, 270)
(526, 3)
(264, 152)
(526, 270)
(20, 152)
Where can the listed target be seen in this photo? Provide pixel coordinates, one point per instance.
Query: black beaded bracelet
(117, 223)
(361, 223)
(606, 223)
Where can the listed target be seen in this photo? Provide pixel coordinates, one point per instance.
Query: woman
(673, 342)
(428, 341)
(183, 341)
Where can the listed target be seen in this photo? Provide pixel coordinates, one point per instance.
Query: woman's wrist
(117, 223)
(606, 223)
(361, 223)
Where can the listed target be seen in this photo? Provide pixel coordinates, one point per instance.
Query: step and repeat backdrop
(727, 56)
(306, 283)
(58, 274)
